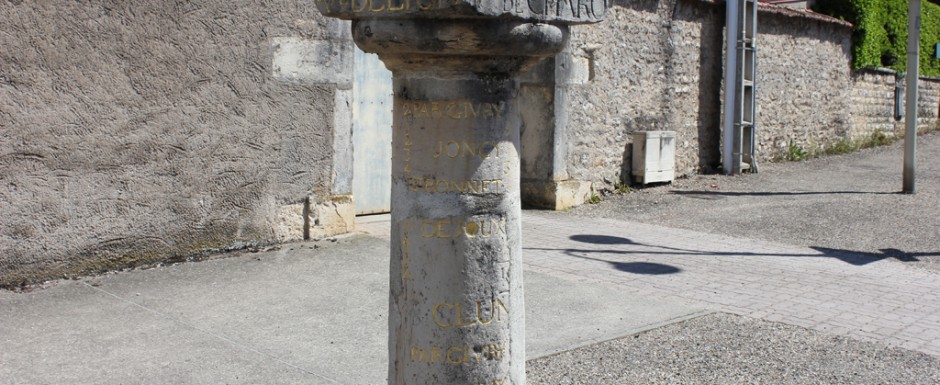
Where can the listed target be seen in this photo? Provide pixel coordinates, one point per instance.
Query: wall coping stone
(888, 71)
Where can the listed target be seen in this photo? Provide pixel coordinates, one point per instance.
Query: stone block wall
(133, 131)
(652, 65)
(873, 99)
(873, 102)
(803, 81)
(658, 65)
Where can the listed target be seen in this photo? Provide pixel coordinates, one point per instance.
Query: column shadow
(855, 258)
(693, 194)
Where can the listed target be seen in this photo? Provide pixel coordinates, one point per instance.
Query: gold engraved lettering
(362, 7)
(419, 355)
(453, 149)
(441, 186)
(453, 112)
(474, 111)
(425, 7)
(470, 229)
(461, 356)
(404, 6)
(436, 354)
(442, 228)
(458, 355)
(435, 315)
(376, 10)
(460, 321)
(452, 109)
(447, 315)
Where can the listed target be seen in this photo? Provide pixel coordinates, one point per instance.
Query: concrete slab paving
(75, 334)
(563, 315)
(316, 312)
(307, 313)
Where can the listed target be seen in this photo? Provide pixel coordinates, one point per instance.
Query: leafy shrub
(880, 37)
(795, 152)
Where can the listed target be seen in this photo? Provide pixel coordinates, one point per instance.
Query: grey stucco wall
(804, 82)
(133, 131)
(652, 65)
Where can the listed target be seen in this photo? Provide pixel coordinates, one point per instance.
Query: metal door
(372, 135)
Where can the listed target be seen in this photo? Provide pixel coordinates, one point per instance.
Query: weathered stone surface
(550, 11)
(873, 103)
(331, 217)
(556, 195)
(135, 131)
(456, 311)
(804, 83)
(657, 65)
(495, 47)
(653, 65)
(456, 303)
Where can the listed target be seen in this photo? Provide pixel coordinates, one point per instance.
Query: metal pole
(910, 112)
(731, 65)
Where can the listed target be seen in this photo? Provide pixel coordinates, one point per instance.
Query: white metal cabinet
(654, 156)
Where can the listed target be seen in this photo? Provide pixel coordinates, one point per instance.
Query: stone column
(456, 311)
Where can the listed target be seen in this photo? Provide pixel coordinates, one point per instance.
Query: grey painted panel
(372, 134)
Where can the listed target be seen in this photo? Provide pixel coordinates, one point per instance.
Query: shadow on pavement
(694, 194)
(856, 258)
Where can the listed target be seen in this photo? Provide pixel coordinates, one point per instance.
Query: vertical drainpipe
(731, 64)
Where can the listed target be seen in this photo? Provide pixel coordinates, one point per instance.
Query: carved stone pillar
(456, 311)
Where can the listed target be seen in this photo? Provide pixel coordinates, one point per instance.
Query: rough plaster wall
(136, 130)
(803, 83)
(652, 65)
(873, 103)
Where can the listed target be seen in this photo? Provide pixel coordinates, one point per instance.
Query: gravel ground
(849, 202)
(729, 349)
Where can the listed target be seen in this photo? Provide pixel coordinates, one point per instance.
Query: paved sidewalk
(316, 312)
(833, 291)
(849, 202)
(309, 313)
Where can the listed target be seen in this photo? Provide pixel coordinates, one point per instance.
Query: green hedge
(880, 38)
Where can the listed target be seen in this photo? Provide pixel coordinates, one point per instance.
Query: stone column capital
(459, 45)
(539, 11)
(470, 36)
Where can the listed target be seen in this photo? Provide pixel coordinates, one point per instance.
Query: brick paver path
(833, 291)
